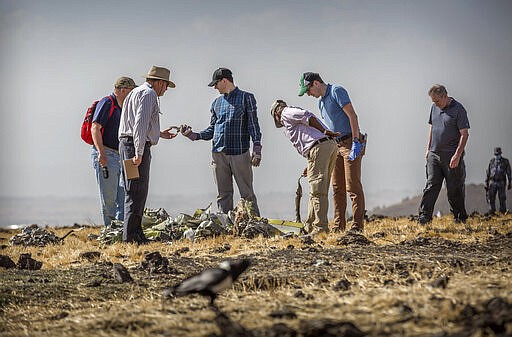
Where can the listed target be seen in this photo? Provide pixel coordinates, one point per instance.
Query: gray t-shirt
(446, 125)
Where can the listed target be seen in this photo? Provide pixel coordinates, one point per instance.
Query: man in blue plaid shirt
(233, 122)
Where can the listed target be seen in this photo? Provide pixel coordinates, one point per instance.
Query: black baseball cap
(219, 74)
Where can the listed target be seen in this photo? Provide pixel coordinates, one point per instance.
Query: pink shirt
(297, 129)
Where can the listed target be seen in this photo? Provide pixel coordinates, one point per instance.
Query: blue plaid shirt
(233, 122)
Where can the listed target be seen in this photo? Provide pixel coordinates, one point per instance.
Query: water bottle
(105, 172)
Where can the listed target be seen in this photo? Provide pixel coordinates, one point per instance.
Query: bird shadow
(227, 326)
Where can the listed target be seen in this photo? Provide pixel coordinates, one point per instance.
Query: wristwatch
(356, 140)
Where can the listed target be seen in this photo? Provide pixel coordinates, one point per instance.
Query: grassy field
(399, 279)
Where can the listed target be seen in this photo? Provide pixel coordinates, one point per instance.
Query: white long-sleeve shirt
(140, 117)
(297, 129)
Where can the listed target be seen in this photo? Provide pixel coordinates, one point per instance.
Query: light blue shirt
(331, 109)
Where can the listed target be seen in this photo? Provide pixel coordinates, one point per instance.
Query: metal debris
(248, 225)
(34, 236)
(157, 225)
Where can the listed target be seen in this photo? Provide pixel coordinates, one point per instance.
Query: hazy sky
(59, 56)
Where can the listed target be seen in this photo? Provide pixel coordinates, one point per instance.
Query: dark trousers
(136, 192)
(497, 187)
(438, 169)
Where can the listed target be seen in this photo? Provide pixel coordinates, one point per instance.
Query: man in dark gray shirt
(447, 139)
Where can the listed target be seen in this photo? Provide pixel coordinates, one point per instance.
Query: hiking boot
(423, 220)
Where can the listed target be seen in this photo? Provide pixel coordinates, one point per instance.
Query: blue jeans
(112, 188)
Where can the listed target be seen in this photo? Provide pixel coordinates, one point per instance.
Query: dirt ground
(398, 279)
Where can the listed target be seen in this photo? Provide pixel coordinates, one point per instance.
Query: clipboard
(130, 170)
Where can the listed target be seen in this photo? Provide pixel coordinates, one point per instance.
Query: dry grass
(389, 293)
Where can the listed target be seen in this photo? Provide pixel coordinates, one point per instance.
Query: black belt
(130, 138)
(343, 138)
(321, 140)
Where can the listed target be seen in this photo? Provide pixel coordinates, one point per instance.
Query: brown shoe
(337, 229)
(318, 230)
(306, 228)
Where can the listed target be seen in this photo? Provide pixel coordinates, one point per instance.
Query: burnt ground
(348, 286)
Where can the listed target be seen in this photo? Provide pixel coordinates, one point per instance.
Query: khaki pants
(346, 177)
(321, 161)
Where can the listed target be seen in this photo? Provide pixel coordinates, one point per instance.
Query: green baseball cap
(306, 80)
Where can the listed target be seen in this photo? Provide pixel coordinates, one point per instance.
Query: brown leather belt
(343, 138)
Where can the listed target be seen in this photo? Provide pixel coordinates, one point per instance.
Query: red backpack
(87, 123)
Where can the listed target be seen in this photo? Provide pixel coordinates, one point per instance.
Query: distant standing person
(313, 140)
(449, 132)
(339, 115)
(139, 130)
(496, 179)
(105, 151)
(233, 123)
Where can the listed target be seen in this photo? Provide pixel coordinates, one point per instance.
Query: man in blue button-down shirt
(233, 123)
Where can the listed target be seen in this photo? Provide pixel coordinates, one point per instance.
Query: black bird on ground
(210, 282)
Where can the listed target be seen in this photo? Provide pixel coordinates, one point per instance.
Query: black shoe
(139, 240)
(460, 220)
(423, 220)
(142, 240)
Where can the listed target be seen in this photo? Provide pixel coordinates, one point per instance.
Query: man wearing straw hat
(314, 141)
(138, 131)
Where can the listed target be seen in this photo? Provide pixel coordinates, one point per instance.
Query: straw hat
(160, 73)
